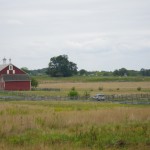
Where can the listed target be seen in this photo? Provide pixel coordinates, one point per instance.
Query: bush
(91, 90)
(73, 88)
(86, 94)
(139, 88)
(100, 88)
(73, 94)
(34, 82)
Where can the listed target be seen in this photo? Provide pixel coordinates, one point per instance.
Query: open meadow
(90, 85)
(45, 125)
(104, 87)
(75, 124)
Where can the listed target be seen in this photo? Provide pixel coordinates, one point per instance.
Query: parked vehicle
(99, 97)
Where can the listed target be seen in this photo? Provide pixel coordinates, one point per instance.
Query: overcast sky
(95, 34)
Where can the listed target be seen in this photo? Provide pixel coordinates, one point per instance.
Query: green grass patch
(71, 105)
(75, 124)
(94, 137)
(90, 79)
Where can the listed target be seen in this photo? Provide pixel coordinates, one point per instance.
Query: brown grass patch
(107, 87)
(21, 120)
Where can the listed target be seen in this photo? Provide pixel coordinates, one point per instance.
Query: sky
(95, 34)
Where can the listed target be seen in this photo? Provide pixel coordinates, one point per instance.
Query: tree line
(60, 66)
(118, 72)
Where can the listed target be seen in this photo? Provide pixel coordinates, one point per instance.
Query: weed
(100, 88)
(73, 88)
(40, 121)
(19, 139)
(86, 94)
(91, 89)
(1, 112)
(118, 89)
(139, 88)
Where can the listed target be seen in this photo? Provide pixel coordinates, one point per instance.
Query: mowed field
(75, 124)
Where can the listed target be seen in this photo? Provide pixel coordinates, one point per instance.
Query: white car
(99, 97)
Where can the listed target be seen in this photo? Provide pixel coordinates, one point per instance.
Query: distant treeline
(117, 72)
(83, 72)
(60, 66)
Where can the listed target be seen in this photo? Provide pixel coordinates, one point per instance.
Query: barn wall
(17, 85)
(1, 85)
(4, 71)
(17, 70)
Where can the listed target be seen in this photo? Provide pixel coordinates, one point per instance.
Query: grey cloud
(104, 31)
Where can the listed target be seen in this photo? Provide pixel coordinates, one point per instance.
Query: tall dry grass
(108, 87)
(18, 117)
(45, 125)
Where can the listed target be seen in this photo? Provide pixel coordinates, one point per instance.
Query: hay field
(76, 125)
(70, 125)
(108, 87)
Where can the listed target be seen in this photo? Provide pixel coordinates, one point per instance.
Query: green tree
(82, 72)
(34, 82)
(25, 69)
(60, 66)
(145, 72)
(116, 73)
(120, 72)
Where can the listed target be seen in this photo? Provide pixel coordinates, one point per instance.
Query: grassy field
(76, 125)
(70, 125)
(92, 79)
(93, 85)
(105, 87)
(90, 85)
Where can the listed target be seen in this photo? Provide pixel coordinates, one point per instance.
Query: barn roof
(16, 77)
(3, 66)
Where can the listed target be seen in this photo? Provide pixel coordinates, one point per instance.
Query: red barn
(12, 78)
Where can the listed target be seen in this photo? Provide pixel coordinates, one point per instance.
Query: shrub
(34, 82)
(86, 94)
(139, 88)
(91, 90)
(100, 88)
(73, 88)
(118, 89)
(73, 94)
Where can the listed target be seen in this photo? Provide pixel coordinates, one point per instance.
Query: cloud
(95, 34)
(14, 22)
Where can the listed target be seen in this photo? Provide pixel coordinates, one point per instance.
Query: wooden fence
(45, 89)
(129, 99)
(123, 99)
